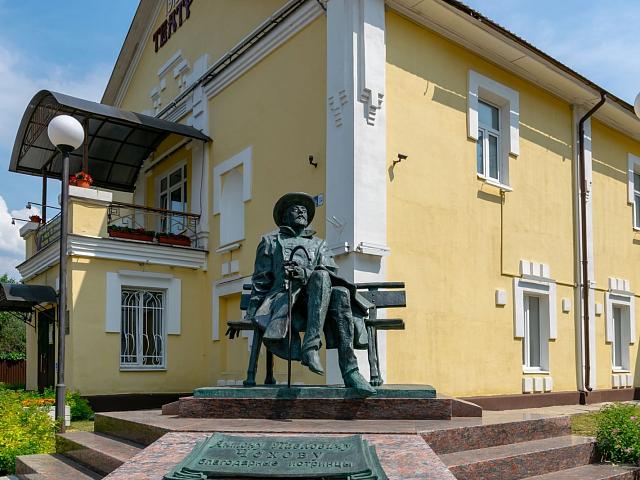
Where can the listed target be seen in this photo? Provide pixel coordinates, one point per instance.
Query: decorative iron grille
(142, 332)
(154, 219)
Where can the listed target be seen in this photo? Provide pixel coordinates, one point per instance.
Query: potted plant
(173, 239)
(35, 219)
(130, 233)
(73, 180)
(83, 179)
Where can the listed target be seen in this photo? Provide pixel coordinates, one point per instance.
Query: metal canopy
(118, 141)
(18, 297)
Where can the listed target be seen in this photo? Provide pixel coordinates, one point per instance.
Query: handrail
(155, 210)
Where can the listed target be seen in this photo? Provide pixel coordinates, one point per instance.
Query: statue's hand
(294, 271)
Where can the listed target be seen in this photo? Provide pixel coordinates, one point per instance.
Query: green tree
(12, 330)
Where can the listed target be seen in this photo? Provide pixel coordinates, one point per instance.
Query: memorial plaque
(233, 456)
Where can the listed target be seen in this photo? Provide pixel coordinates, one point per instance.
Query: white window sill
(495, 183)
(636, 229)
(534, 370)
(229, 247)
(620, 370)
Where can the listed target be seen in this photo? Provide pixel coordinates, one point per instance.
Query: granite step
(595, 471)
(521, 460)
(99, 452)
(52, 467)
(139, 432)
(473, 437)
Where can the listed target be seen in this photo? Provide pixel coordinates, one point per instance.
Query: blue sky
(71, 46)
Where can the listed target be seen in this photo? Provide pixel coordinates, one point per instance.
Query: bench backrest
(381, 294)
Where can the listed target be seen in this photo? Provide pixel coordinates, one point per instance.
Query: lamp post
(66, 133)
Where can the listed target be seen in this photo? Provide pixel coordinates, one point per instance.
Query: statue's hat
(293, 198)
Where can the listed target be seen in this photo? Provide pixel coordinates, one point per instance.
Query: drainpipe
(584, 260)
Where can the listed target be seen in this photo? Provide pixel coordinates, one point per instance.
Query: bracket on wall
(312, 162)
(401, 156)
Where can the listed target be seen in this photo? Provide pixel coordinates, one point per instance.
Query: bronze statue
(296, 289)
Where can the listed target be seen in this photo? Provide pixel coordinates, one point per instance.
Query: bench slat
(369, 285)
(385, 298)
(241, 325)
(386, 323)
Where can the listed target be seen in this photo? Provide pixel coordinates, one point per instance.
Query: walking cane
(289, 282)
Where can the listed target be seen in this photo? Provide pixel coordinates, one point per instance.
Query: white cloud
(20, 79)
(11, 244)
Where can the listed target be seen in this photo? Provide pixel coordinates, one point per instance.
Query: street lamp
(66, 133)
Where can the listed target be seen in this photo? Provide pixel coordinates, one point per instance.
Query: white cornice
(40, 262)
(306, 14)
(115, 249)
(132, 251)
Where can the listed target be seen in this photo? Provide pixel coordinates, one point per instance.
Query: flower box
(175, 240)
(130, 234)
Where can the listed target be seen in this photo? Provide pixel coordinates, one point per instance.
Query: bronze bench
(381, 294)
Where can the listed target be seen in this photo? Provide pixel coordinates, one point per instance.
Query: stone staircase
(531, 449)
(492, 448)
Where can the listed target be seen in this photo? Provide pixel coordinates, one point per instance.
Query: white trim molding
(138, 252)
(137, 279)
(620, 294)
(41, 261)
(535, 281)
(481, 87)
(633, 167)
(223, 289)
(243, 158)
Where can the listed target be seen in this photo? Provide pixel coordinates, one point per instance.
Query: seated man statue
(321, 301)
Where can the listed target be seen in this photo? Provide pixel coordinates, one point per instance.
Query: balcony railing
(48, 233)
(152, 224)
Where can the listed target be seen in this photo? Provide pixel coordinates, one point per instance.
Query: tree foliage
(12, 330)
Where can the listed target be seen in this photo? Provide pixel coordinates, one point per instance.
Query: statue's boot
(311, 359)
(355, 380)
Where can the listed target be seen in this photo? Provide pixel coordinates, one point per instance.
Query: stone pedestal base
(393, 402)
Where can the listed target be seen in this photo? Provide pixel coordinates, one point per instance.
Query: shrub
(23, 430)
(618, 433)
(80, 408)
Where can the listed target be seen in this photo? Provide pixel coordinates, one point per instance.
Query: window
(142, 332)
(633, 179)
(231, 189)
(493, 121)
(535, 314)
(620, 322)
(531, 354)
(488, 143)
(173, 196)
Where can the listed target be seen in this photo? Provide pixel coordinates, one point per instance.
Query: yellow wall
(454, 239)
(616, 243)
(214, 27)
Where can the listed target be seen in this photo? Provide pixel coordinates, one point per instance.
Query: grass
(81, 426)
(584, 424)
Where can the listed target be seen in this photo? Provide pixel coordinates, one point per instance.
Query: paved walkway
(559, 409)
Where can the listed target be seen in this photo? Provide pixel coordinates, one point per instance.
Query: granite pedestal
(392, 402)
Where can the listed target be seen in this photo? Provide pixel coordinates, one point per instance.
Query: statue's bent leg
(340, 308)
(318, 296)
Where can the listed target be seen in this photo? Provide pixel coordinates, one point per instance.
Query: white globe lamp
(65, 132)
(636, 105)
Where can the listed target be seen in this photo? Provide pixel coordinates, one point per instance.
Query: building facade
(442, 151)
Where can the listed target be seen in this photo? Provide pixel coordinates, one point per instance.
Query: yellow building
(442, 151)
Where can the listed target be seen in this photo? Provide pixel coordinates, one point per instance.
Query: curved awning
(18, 297)
(117, 141)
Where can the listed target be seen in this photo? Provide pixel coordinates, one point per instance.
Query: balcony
(102, 228)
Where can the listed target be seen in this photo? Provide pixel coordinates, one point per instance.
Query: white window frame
(535, 282)
(139, 342)
(507, 101)
(619, 296)
(183, 185)
(633, 167)
(526, 340)
(487, 131)
(244, 159)
(153, 281)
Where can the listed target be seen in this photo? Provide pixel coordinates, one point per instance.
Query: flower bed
(618, 433)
